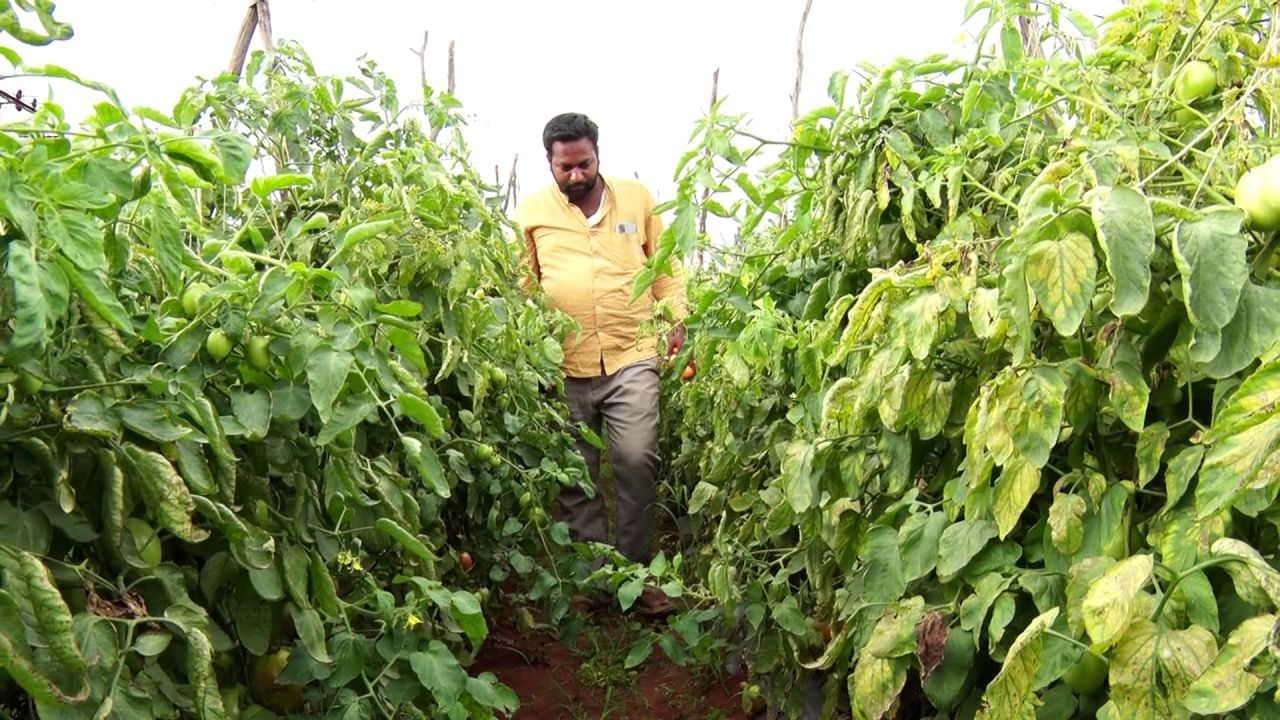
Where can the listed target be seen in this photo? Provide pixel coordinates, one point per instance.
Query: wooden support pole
(706, 192)
(241, 49)
(258, 17)
(451, 85)
(510, 199)
(422, 59)
(795, 95)
(264, 24)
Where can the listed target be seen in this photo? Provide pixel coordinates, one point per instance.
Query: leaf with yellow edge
(1108, 604)
(1011, 696)
(875, 684)
(1228, 684)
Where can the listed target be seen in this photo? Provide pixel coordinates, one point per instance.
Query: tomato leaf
(1015, 487)
(1254, 328)
(1108, 604)
(1242, 440)
(327, 371)
(1126, 232)
(30, 311)
(875, 685)
(1063, 273)
(1210, 256)
(1152, 666)
(438, 671)
(960, 543)
(1010, 695)
(427, 464)
(422, 411)
(798, 478)
(1227, 684)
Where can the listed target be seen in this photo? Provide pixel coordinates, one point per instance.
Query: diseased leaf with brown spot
(931, 640)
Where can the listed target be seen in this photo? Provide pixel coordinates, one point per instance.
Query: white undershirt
(599, 213)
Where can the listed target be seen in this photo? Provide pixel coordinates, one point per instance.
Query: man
(587, 239)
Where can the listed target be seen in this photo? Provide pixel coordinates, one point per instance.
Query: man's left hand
(675, 339)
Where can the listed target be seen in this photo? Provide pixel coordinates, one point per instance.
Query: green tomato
(192, 297)
(145, 541)
(1258, 194)
(484, 452)
(218, 345)
(1087, 675)
(1196, 80)
(497, 376)
(259, 355)
(1117, 547)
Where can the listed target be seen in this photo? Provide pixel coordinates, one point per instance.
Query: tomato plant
(994, 379)
(186, 534)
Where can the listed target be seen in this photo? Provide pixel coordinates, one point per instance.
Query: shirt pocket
(624, 244)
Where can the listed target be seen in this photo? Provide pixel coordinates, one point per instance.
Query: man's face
(575, 167)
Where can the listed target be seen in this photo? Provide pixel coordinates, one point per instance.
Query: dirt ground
(587, 678)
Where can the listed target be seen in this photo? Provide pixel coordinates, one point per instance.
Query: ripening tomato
(465, 561)
(690, 371)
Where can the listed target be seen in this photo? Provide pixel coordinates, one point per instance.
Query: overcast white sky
(642, 70)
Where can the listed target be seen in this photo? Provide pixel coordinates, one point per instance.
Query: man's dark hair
(567, 127)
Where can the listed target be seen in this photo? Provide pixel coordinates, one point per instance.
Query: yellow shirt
(589, 272)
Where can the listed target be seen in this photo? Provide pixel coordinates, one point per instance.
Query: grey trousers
(626, 405)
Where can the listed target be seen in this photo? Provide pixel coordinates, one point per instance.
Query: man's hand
(675, 340)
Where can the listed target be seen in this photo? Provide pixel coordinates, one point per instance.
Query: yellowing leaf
(984, 312)
(1130, 394)
(799, 480)
(1011, 694)
(838, 406)
(1148, 662)
(1150, 449)
(1037, 407)
(1256, 581)
(1063, 274)
(1015, 487)
(936, 408)
(1228, 684)
(875, 684)
(895, 633)
(1243, 438)
(1066, 523)
(1108, 604)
